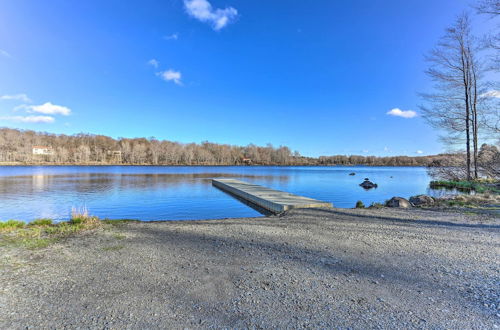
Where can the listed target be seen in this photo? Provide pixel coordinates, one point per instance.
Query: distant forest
(16, 147)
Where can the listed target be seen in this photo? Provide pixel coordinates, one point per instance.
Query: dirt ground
(313, 268)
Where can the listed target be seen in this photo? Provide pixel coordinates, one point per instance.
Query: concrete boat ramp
(274, 201)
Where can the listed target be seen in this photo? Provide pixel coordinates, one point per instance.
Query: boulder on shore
(398, 202)
(420, 200)
(367, 184)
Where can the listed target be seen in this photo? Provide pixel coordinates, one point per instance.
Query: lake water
(179, 193)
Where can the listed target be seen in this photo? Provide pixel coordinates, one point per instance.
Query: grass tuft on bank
(41, 233)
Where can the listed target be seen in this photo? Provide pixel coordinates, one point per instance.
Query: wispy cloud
(202, 10)
(402, 113)
(154, 63)
(419, 152)
(47, 109)
(4, 53)
(494, 94)
(17, 97)
(171, 75)
(30, 119)
(173, 36)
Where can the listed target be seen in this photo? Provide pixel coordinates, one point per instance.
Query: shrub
(376, 205)
(360, 205)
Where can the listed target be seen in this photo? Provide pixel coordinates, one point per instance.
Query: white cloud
(173, 36)
(203, 11)
(4, 53)
(365, 151)
(30, 119)
(171, 75)
(419, 152)
(49, 109)
(402, 113)
(154, 63)
(386, 148)
(17, 97)
(494, 94)
(22, 107)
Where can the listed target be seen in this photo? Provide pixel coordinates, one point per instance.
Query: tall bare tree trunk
(465, 76)
(475, 122)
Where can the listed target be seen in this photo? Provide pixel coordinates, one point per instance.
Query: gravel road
(313, 268)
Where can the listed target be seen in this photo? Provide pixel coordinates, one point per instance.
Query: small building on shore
(114, 156)
(42, 150)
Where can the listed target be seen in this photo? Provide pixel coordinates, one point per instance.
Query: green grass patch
(27, 241)
(37, 243)
(467, 186)
(119, 236)
(41, 233)
(377, 205)
(40, 222)
(113, 248)
(11, 224)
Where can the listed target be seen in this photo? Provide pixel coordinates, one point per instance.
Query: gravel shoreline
(313, 268)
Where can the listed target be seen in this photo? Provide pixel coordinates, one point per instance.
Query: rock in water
(367, 184)
(398, 202)
(352, 173)
(420, 200)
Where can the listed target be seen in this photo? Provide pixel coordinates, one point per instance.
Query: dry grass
(476, 200)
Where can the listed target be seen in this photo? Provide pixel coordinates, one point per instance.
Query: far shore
(194, 165)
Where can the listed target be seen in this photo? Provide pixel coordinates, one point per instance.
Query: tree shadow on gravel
(439, 223)
(392, 276)
(209, 246)
(300, 256)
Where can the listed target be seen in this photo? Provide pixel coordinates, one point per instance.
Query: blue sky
(317, 76)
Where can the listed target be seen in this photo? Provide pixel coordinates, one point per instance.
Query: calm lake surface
(180, 193)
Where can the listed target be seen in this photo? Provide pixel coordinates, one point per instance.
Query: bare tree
(491, 9)
(488, 7)
(454, 105)
(17, 146)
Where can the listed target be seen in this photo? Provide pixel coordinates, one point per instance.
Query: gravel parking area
(313, 268)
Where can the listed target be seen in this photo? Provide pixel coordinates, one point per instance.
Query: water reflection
(105, 182)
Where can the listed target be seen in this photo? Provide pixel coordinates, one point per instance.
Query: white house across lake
(42, 150)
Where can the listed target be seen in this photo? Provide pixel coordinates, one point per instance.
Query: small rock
(352, 173)
(367, 184)
(398, 202)
(422, 200)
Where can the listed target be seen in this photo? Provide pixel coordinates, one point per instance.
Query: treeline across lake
(30, 147)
